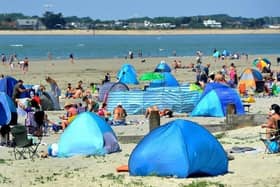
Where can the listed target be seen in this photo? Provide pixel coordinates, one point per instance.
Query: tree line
(52, 20)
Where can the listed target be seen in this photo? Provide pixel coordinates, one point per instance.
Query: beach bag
(272, 146)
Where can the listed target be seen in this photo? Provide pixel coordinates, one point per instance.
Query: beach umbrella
(260, 63)
(150, 76)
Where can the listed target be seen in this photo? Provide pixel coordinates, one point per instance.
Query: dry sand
(247, 169)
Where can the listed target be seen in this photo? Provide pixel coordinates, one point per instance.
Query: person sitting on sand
(175, 65)
(272, 120)
(150, 109)
(69, 91)
(102, 111)
(119, 115)
(50, 124)
(93, 87)
(80, 85)
(219, 77)
(78, 92)
(91, 105)
(71, 113)
(166, 112)
(107, 78)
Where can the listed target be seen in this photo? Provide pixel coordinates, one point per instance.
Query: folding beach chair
(272, 144)
(24, 146)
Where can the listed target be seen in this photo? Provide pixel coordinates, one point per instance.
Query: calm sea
(117, 46)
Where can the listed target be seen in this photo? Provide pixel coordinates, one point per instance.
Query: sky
(124, 9)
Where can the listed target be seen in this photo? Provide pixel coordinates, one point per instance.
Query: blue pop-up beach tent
(179, 148)
(7, 85)
(215, 99)
(87, 134)
(127, 74)
(162, 67)
(168, 80)
(7, 107)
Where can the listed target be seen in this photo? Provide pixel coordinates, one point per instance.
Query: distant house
(136, 25)
(30, 24)
(163, 25)
(212, 23)
(273, 26)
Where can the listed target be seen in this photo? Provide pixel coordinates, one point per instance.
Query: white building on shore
(212, 23)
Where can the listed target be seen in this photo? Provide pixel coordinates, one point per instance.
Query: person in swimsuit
(119, 115)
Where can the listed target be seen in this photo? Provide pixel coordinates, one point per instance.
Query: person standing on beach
(107, 77)
(11, 63)
(54, 87)
(233, 80)
(50, 58)
(25, 65)
(3, 58)
(18, 90)
(198, 57)
(71, 56)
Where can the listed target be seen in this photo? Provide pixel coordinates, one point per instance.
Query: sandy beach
(140, 32)
(255, 168)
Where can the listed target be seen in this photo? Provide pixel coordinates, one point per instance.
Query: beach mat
(122, 168)
(241, 149)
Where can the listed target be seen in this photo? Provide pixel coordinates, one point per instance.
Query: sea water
(117, 46)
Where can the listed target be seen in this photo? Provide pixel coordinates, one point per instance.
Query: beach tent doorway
(189, 149)
(215, 99)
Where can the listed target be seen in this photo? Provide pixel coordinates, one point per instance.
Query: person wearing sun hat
(272, 120)
(71, 113)
(67, 104)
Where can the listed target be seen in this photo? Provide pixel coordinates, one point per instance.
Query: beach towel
(241, 149)
(272, 146)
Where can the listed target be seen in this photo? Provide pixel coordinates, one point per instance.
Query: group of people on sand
(79, 91)
(13, 62)
(90, 105)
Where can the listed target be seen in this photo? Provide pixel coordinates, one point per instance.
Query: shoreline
(141, 32)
